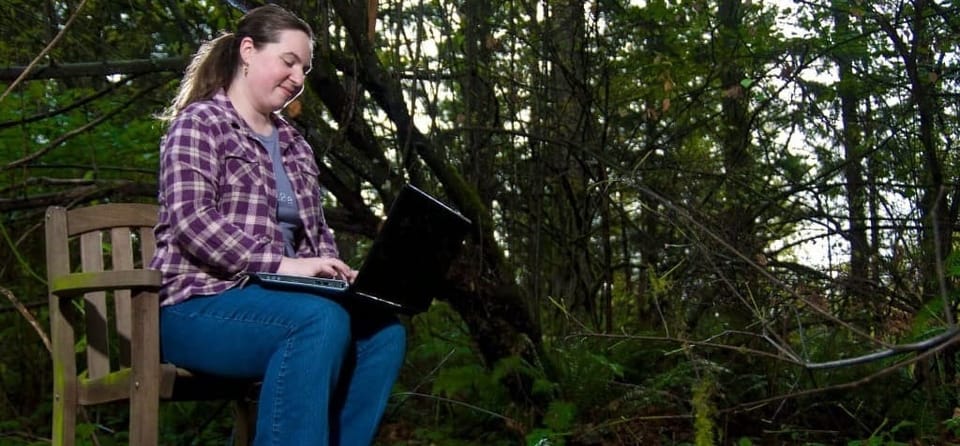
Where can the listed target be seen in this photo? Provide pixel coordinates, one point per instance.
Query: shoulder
(201, 124)
(209, 111)
(208, 119)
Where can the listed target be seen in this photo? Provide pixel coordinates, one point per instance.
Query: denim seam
(281, 373)
(222, 317)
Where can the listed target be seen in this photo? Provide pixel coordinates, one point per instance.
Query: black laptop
(406, 264)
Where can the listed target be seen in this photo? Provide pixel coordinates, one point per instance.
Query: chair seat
(176, 384)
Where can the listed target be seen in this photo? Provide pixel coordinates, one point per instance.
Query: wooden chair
(96, 256)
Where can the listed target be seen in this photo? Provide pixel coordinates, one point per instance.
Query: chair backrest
(101, 289)
(94, 240)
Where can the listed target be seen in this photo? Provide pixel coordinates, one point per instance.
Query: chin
(278, 105)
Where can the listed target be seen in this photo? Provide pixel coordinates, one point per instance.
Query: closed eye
(290, 63)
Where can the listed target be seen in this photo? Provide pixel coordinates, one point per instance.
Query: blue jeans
(326, 376)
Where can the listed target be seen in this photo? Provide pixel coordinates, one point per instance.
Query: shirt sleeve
(190, 169)
(328, 245)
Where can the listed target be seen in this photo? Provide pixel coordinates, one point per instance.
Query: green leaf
(454, 381)
(560, 415)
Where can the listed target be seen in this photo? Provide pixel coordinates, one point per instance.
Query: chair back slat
(147, 245)
(122, 243)
(95, 308)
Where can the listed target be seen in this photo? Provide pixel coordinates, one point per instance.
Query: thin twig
(460, 403)
(29, 317)
(425, 378)
(36, 60)
(687, 344)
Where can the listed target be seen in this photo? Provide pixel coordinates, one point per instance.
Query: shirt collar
(284, 129)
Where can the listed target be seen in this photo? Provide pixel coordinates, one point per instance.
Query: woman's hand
(317, 267)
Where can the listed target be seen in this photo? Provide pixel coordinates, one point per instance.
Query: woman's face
(276, 71)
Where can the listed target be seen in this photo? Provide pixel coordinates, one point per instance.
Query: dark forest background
(698, 222)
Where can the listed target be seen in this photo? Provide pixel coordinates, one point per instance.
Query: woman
(239, 193)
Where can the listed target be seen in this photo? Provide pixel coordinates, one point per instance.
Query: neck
(259, 122)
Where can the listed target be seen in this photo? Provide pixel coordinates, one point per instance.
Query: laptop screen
(405, 266)
(413, 251)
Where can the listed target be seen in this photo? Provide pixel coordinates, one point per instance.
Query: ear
(246, 49)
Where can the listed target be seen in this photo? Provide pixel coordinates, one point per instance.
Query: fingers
(317, 267)
(349, 274)
(339, 269)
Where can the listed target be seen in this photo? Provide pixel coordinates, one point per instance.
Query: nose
(297, 77)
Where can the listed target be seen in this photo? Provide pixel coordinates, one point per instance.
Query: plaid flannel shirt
(218, 201)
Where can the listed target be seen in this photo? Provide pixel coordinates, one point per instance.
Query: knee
(397, 335)
(326, 320)
(391, 341)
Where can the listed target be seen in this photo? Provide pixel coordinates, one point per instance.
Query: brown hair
(216, 62)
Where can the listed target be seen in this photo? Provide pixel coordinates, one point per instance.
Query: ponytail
(211, 69)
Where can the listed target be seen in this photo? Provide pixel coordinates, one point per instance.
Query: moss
(703, 410)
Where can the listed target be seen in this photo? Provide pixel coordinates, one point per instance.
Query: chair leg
(245, 420)
(144, 415)
(145, 371)
(65, 403)
(64, 422)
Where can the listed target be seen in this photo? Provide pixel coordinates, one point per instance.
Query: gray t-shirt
(288, 214)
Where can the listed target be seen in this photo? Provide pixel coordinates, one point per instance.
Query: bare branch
(43, 53)
(111, 88)
(126, 188)
(849, 385)
(96, 69)
(934, 343)
(29, 317)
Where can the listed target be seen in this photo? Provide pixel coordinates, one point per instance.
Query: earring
(245, 69)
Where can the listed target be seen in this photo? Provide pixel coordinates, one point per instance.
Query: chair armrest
(76, 284)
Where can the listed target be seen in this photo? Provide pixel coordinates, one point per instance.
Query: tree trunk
(858, 284)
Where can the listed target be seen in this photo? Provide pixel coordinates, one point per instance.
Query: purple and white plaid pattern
(218, 201)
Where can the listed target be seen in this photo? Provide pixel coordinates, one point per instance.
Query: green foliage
(558, 423)
(586, 373)
(560, 416)
(953, 426)
(469, 382)
(544, 437)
